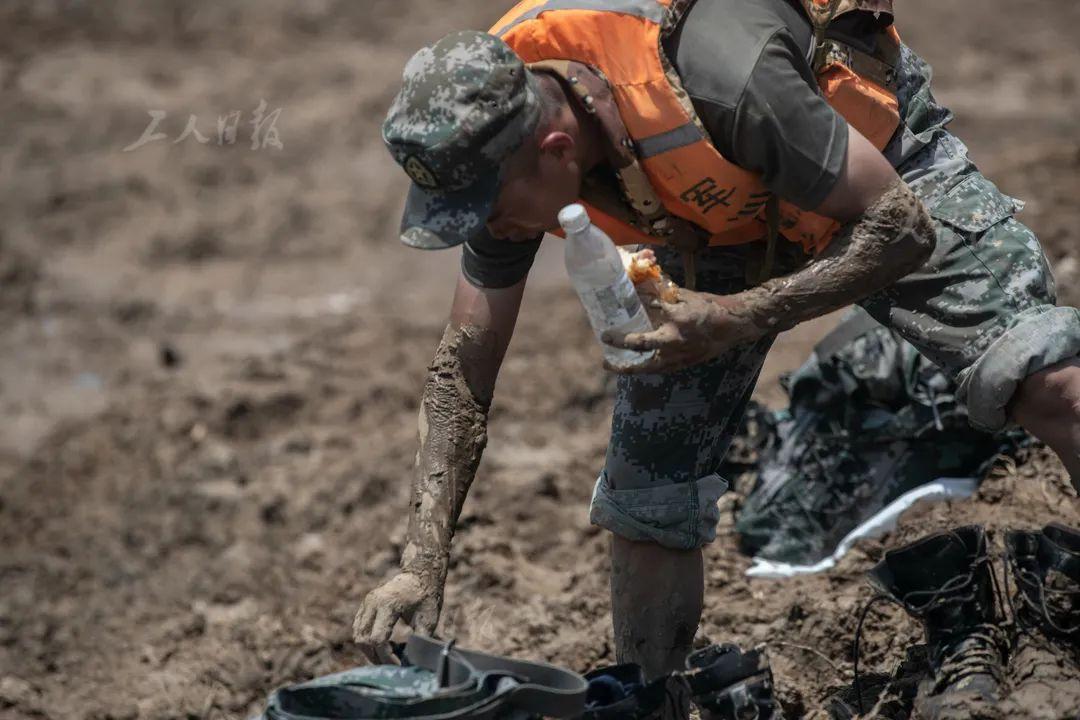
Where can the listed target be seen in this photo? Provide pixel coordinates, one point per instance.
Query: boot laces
(1049, 603)
(977, 651)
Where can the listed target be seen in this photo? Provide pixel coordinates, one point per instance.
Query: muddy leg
(1048, 406)
(656, 598)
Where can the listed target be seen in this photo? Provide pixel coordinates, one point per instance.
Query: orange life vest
(622, 40)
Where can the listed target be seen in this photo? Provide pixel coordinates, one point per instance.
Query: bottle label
(610, 306)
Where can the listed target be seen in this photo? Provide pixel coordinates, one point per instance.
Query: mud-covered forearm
(892, 238)
(453, 433)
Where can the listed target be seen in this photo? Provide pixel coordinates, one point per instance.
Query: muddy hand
(696, 329)
(403, 597)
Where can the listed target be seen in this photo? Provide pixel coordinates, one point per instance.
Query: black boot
(723, 681)
(1045, 667)
(620, 692)
(945, 581)
(729, 684)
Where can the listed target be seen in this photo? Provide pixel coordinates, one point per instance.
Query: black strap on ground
(542, 688)
(437, 682)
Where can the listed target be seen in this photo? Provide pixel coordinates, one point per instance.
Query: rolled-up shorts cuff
(1042, 337)
(681, 516)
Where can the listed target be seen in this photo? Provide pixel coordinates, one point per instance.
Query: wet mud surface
(213, 358)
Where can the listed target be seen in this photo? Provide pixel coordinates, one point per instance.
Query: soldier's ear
(557, 143)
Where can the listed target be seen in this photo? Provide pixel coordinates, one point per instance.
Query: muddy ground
(212, 355)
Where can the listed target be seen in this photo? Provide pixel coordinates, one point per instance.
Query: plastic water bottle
(597, 274)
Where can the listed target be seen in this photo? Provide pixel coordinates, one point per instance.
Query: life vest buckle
(872, 67)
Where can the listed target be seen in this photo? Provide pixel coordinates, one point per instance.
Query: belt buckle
(742, 700)
(443, 673)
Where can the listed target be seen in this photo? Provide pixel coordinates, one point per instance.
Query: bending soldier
(786, 159)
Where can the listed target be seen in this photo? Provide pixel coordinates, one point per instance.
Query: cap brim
(439, 220)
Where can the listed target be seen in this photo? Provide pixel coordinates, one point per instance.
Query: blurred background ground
(212, 356)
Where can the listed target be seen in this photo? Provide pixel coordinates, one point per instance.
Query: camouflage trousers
(982, 309)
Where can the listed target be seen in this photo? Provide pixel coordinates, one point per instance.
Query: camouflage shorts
(983, 309)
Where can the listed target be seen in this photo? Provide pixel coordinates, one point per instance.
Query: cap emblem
(420, 173)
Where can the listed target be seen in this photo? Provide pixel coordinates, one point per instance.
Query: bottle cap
(574, 218)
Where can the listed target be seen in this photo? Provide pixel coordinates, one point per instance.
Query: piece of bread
(647, 275)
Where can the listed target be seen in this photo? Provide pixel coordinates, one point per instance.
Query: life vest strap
(594, 96)
(772, 222)
(650, 216)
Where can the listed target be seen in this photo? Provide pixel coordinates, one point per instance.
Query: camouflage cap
(466, 104)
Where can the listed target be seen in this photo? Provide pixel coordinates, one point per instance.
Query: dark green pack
(869, 420)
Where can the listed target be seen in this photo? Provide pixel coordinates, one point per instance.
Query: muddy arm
(452, 435)
(886, 235)
(453, 420)
(892, 238)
